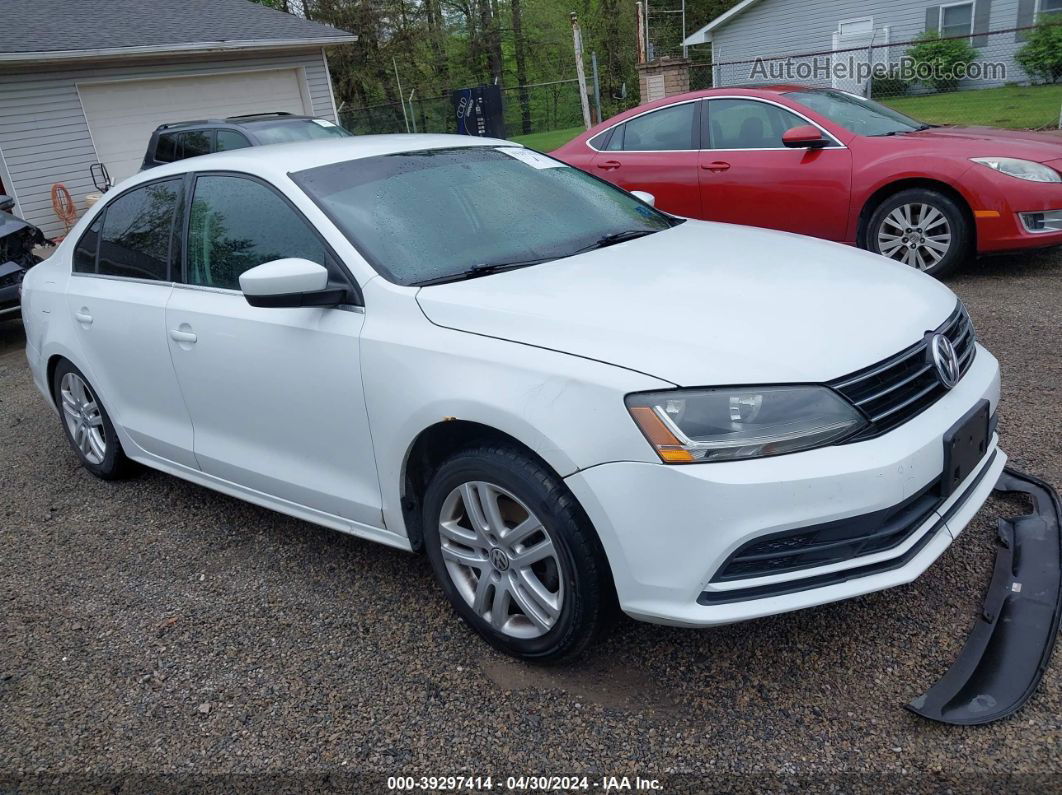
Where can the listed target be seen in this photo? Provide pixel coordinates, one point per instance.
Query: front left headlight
(1022, 169)
(726, 424)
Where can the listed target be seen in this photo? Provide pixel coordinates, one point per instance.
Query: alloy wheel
(81, 412)
(917, 234)
(501, 559)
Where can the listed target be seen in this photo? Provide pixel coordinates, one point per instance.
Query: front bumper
(665, 550)
(998, 202)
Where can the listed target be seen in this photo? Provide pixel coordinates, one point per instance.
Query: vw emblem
(945, 360)
(498, 559)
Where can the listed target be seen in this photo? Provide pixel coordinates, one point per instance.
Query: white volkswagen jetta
(568, 399)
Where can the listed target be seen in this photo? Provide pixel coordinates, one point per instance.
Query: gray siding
(783, 27)
(44, 136)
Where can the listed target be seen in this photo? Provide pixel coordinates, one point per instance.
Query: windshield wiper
(614, 238)
(483, 269)
(919, 128)
(488, 268)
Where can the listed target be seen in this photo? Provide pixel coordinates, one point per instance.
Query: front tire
(515, 554)
(87, 425)
(922, 228)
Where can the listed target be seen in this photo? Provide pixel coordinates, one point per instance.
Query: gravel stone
(152, 625)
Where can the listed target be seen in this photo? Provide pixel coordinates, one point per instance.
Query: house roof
(704, 35)
(59, 30)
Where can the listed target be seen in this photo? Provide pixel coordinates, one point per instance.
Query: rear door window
(137, 233)
(667, 129)
(230, 139)
(179, 145)
(195, 142)
(87, 247)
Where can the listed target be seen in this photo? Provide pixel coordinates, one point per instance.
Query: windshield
(855, 114)
(427, 215)
(283, 132)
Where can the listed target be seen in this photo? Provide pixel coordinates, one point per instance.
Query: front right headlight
(725, 424)
(1022, 169)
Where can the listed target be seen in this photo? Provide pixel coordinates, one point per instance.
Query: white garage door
(123, 114)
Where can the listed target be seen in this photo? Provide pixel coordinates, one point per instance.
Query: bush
(936, 59)
(1041, 57)
(886, 83)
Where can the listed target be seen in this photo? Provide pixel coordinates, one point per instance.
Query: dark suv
(184, 139)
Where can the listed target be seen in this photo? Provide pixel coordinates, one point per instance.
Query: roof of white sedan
(278, 159)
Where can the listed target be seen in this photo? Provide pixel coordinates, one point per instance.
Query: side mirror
(648, 198)
(6, 202)
(290, 282)
(806, 136)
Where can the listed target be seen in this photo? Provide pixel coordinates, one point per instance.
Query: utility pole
(641, 31)
(685, 49)
(401, 99)
(597, 86)
(580, 72)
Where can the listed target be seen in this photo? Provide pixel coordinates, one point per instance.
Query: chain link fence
(534, 108)
(986, 79)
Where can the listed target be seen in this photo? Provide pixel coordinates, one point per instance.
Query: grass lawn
(547, 141)
(1017, 107)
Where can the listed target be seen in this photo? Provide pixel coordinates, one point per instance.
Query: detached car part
(1009, 647)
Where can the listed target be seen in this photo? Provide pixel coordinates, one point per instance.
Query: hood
(707, 304)
(989, 141)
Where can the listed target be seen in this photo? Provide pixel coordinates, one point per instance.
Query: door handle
(609, 165)
(83, 317)
(715, 166)
(182, 336)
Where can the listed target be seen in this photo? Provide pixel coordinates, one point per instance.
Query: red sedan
(830, 164)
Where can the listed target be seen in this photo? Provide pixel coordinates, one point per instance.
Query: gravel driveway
(152, 626)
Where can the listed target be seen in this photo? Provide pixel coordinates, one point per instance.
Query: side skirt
(295, 510)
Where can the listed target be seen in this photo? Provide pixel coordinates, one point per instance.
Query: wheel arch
(907, 183)
(50, 368)
(433, 445)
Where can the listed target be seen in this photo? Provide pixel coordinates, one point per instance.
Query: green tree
(940, 59)
(1041, 56)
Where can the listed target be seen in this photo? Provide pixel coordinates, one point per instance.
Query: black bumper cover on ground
(1008, 649)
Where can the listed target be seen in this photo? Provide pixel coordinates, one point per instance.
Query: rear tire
(922, 228)
(523, 566)
(87, 425)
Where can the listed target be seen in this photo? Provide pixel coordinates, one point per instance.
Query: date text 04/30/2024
(523, 783)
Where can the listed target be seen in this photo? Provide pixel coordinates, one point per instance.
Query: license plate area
(965, 444)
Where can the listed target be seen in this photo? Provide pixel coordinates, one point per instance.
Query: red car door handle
(715, 165)
(609, 165)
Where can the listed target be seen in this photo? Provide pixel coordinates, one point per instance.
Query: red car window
(748, 124)
(667, 129)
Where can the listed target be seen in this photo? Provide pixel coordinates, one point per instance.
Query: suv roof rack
(168, 125)
(263, 113)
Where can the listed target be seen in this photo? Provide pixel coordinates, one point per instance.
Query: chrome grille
(891, 392)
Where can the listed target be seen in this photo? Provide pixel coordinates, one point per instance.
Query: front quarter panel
(875, 165)
(568, 410)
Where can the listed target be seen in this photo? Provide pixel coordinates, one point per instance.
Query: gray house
(86, 82)
(877, 29)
